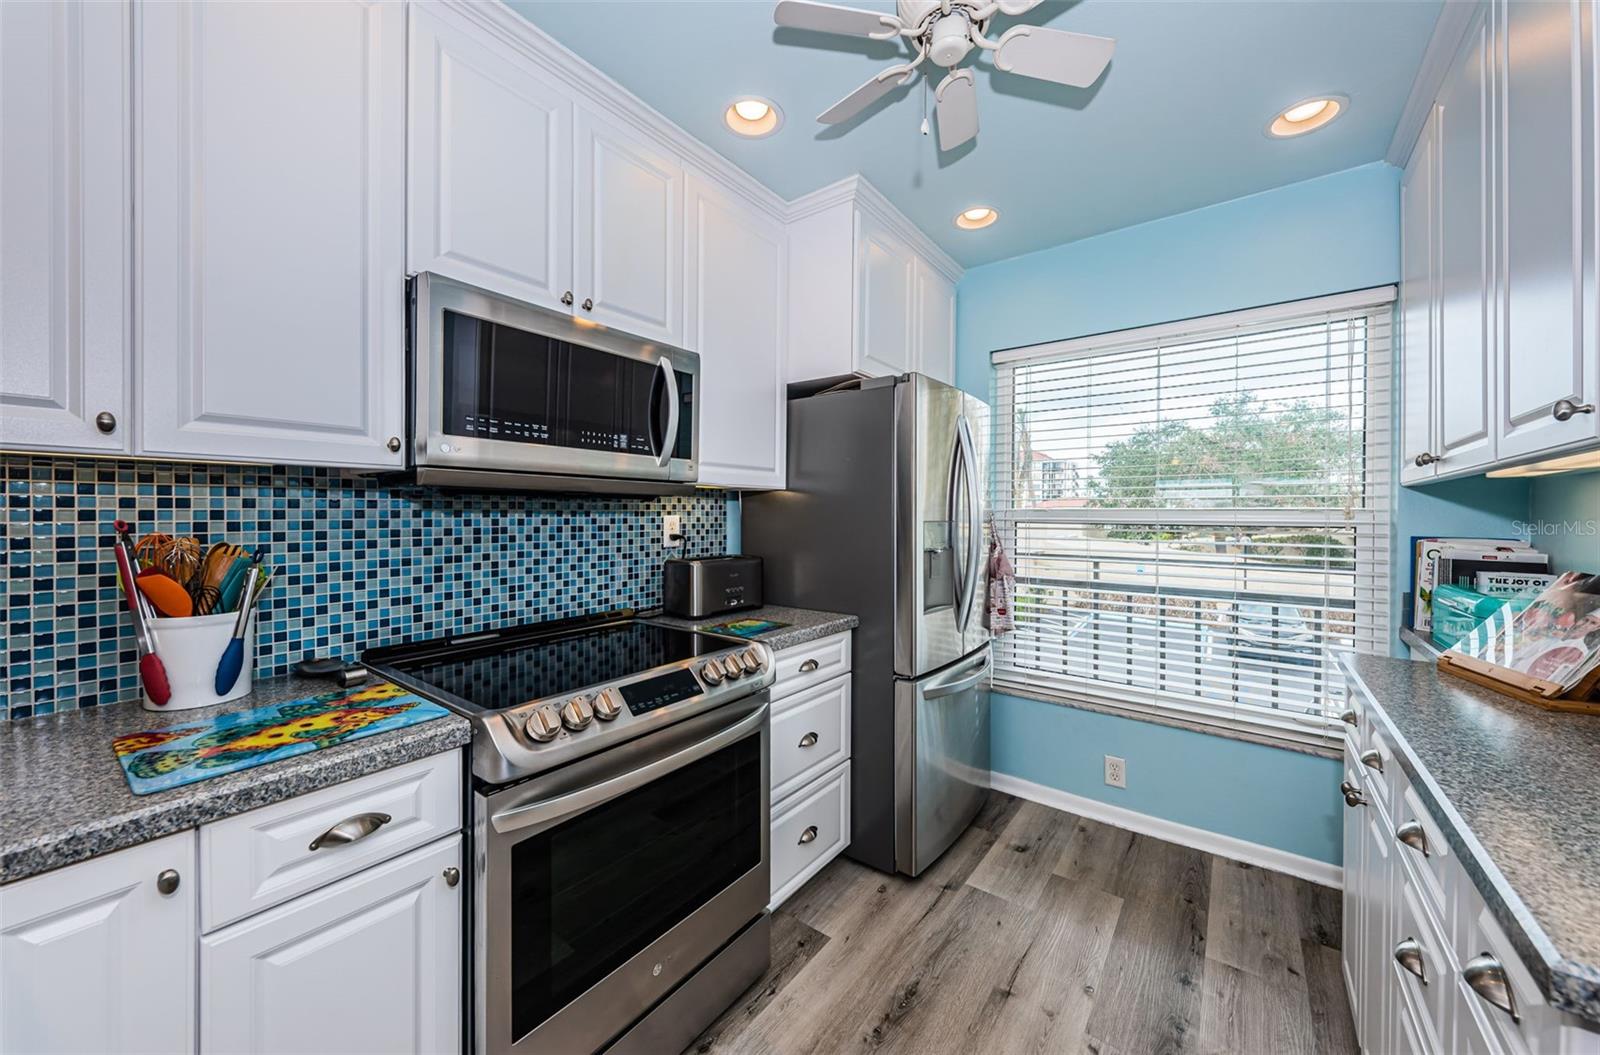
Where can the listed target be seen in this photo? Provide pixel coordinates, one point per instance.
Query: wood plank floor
(1044, 932)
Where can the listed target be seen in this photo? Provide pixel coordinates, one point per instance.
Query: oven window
(499, 382)
(589, 894)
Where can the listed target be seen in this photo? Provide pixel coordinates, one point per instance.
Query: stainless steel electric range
(619, 825)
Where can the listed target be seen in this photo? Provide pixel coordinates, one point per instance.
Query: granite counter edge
(145, 821)
(1569, 985)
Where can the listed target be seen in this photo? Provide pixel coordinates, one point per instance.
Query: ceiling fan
(946, 31)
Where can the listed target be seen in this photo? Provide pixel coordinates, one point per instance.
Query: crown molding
(619, 104)
(1448, 33)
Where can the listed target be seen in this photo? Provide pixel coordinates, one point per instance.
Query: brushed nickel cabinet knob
(1564, 409)
(588, 303)
(106, 422)
(393, 444)
(452, 876)
(1425, 459)
(566, 298)
(167, 881)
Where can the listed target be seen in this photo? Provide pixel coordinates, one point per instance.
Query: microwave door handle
(545, 811)
(669, 441)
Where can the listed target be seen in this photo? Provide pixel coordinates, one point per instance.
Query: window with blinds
(1198, 513)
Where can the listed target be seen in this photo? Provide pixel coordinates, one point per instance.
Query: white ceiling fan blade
(958, 108)
(1017, 7)
(831, 18)
(865, 96)
(1074, 59)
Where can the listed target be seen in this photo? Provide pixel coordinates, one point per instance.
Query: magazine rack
(1582, 698)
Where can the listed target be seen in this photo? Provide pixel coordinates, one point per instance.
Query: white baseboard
(1171, 831)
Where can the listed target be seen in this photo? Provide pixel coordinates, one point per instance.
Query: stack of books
(1508, 567)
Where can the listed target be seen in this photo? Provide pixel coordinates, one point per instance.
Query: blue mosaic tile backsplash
(358, 564)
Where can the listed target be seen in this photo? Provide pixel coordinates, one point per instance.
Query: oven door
(604, 884)
(500, 385)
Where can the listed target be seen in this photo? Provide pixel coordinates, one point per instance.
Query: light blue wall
(1327, 235)
(1564, 512)
(1260, 794)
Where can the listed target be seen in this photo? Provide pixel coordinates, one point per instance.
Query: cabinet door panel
(1354, 934)
(1466, 411)
(935, 338)
(1418, 298)
(64, 211)
(490, 144)
(1540, 226)
(883, 300)
(93, 957)
(369, 964)
(736, 324)
(629, 239)
(272, 249)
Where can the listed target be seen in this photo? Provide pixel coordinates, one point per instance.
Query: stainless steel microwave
(509, 395)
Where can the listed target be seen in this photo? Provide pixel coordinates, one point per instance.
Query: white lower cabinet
(99, 956)
(369, 964)
(1416, 930)
(810, 761)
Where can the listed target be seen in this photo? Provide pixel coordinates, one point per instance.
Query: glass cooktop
(497, 676)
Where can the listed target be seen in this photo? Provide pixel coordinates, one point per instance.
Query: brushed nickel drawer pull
(351, 829)
(1408, 954)
(1566, 408)
(1412, 835)
(809, 740)
(809, 835)
(808, 666)
(1488, 979)
(1348, 717)
(1352, 794)
(1372, 760)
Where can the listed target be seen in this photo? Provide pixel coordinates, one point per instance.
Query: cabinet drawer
(810, 664)
(1479, 935)
(1428, 860)
(1380, 778)
(810, 831)
(264, 857)
(810, 735)
(1427, 998)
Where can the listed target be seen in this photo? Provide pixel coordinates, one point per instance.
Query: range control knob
(752, 660)
(542, 724)
(605, 706)
(711, 672)
(577, 713)
(732, 666)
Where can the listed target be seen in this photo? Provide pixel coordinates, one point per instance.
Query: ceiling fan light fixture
(977, 217)
(1307, 115)
(752, 117)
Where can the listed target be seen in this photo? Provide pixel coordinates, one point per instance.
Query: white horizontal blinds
(1197, 515)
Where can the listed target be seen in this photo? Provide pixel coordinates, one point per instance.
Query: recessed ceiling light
(752, 116)
(976, 217)
(1307, 115)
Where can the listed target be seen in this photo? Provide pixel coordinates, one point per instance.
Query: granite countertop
(1516, 790)
(804, 624)
(66, 799)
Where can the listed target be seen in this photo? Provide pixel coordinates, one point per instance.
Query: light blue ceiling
(1175, 123)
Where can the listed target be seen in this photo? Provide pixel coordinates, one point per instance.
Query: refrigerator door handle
(953, 681)
(969, 582)
(952, 513)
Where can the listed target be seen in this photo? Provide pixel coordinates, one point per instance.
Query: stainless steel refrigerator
(883, 518)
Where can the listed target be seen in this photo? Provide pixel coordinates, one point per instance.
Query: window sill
(1306, 744)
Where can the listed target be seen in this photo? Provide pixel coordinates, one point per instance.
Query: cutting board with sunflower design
(183, 754)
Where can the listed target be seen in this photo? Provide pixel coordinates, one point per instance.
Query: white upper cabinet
(884, 317)
(490, 163)
(64, 211)
(736, 300)
(629, 243)
(271, 262)
(99, 956)
(1418, 301)
(869, 294)
(1463, 145)
(934, 301)
(1542, 140)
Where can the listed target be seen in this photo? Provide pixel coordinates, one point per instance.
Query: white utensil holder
(190, 649)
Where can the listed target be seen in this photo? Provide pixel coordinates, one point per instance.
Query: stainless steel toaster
(702, 586)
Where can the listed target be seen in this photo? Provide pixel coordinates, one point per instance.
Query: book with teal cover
(183, 754)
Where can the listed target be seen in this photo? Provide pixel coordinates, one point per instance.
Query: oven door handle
(545, 810)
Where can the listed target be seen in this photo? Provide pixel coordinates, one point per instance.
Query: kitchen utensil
(151, 670)
(232, 585)
(207, 586)
(233, 656)
(169, 598)
(335, 670)
(179, 557)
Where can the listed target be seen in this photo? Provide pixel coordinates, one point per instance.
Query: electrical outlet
(1116, 771)
(672, 531)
